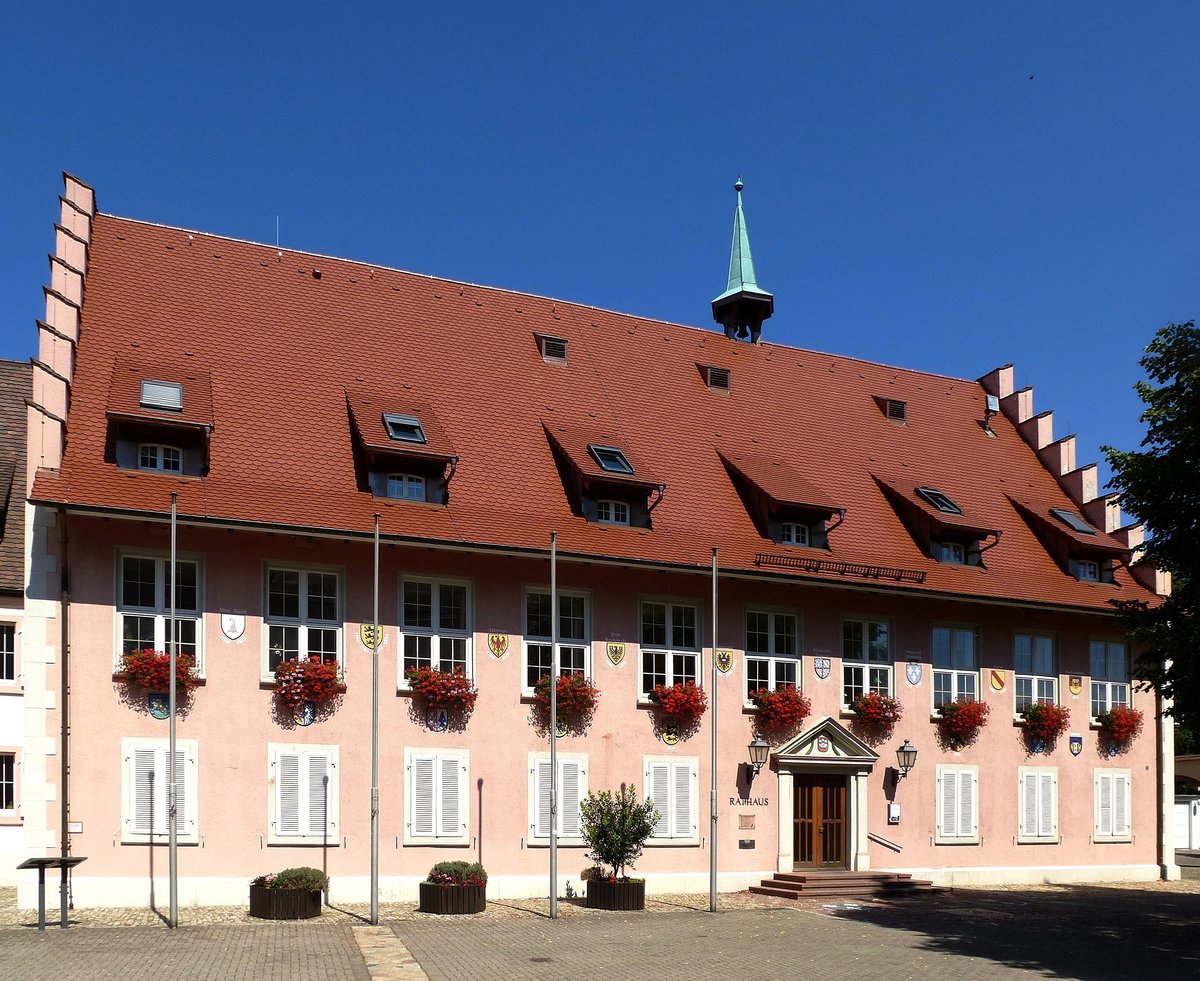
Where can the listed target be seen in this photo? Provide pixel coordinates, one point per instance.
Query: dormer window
(1072, 520)
(1087, 570)
(159, 458)
(554, 349)
(610, 459)
(939, 500)
(612, 512)
(951, 552)
(406, 487)
(716, 378)
(403, 429)
(792, 533)
(161, 395)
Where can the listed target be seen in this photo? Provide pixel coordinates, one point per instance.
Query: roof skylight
(1072, 520)
(405, 429)
(162, 395)
(610, 459)
(939, 500)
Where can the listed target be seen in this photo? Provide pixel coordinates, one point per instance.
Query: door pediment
(826, 743)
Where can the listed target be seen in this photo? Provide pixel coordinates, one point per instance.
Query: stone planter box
(616, 895)
(284, 904)
(436, 898)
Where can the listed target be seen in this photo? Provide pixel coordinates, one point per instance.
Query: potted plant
(151, 670)
(876, 713)
(293, 894)
(1120, 724)
(1046, 721)
(682, 705)
(448, 690)
(454, 887)
(961, 720)
(781, 711)
(576, 695)
(311, 680)
(615, 826)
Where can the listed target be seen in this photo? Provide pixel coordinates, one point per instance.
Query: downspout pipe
(64, 685)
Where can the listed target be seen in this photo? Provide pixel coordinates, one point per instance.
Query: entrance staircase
(875, 885)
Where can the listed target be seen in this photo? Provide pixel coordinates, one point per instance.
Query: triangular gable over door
(827, 743)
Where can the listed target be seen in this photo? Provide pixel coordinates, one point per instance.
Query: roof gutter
(519, 551)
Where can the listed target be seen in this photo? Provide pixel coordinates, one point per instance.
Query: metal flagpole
(375, 739)
(553, 725)
(712, 830)
(172, 775)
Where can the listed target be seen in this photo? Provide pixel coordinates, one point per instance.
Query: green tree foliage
(616, 826)
(1160, 483)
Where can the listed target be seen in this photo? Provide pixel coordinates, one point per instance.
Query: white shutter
(148, 789)
(1120, 805)
(287, 790)
(658, 779)
(1104, 805)
(948, 810)
(182, 798)
(682, 825)
(1047, 809)
(542, 799)
(421, 799)
(316, 766)
(449, 797)
(1029, 805)
(967, 805)
(570, 792)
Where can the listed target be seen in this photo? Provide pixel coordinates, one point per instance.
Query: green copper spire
(743, 306)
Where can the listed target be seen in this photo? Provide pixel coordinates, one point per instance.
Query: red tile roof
(284, 346)
(367, 412)
(573, 442)
(125, 393)
(779, 481)
(16, 386)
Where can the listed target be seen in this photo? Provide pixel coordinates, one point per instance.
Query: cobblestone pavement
(1091, 933)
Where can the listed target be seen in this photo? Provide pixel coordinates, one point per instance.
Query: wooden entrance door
(820, 822)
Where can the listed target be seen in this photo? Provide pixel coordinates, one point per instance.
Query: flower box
(1120, 724)
(448, 690)
(682, 704)
(962, 719)
(151, 670)
(780, 712)
(437, 897)
(576, 695)
(623, 894)
(1046, 721)
(309, 680)
(284, 904)
(875, 711)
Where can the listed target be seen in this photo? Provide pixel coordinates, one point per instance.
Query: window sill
(1039, 841)
(562, 843)
(673, 843)
(1096, 840)
(200, 680)
(957, 841)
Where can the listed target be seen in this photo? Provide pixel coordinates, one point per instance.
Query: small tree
(616, 826)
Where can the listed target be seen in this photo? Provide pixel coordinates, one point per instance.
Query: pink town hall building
(876, 531)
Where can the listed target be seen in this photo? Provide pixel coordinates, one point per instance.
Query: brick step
(842, 876)
(794, 885)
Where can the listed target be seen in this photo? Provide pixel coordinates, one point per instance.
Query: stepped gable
(284, 337)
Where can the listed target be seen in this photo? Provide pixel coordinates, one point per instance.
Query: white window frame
(956, 831)
(674, 827)
(1037, 819)
(951, 553)
(610, 512)
(772, 658)
(794, 533)
(1088, 570)
(306, 834)
(11, 815)
(161, 608)
(863, 667)
(1115, 779)
(10, 677)
(670, 651)
(154, 394)
(435, 632)
(569, 815)
(1107, 691)
(303, 622)
(412, 487)
(449, 771)
(958, 677)
(160, 451)
(403, 428)
(187, 821)
(565, 647)
(1043, 688)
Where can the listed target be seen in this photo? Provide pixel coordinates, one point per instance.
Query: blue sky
(913, 195)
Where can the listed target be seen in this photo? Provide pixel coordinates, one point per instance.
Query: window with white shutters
(438, 801)
(1037, 803)
(957, 805)
(146, 789)
(671, 784)
(1113, 799)
(572, 788)
(304, 794)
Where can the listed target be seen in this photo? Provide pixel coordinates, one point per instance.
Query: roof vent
(553, 349)
(895, 410)
(717, 378)
(162, 395)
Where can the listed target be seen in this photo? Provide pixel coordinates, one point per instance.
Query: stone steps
(794, 885)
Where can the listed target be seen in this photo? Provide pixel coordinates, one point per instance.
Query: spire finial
(743, 306)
